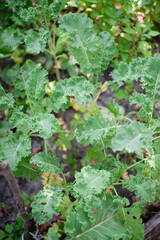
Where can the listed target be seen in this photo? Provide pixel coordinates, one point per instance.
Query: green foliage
(134, 137)
(82, 39)
(132, 24)
(36, 41)
(11, 38)
(45, 124)
(77, 87)
(142, 186)
(45, 203)
(133, 222)
(13, 148)
(103, 224)
(94, 129)
(6, 100)
(89, 206)
(46, 162)
(91, 181)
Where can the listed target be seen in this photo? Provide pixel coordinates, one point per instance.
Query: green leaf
(2, 234)
(113, 108)
(25, 170)
(44, 123)
(91, 181)
(32, 80)
(142, 186)
(94, 129)
(46, 203)
(153, 157)
(53, 234)
(141, 100)
(13, 148)
(129, 30)
(151, 78)
(129, 72)
(108, 49)
(36, 41)
(59, 101)
(46, 162)
(137, 68)
(10, 73)
(153, 33)
(134, 137)
(120, 74)
(6, 99)
(19, 120)
(8, 228)
(28, 15)
(133, 222)
(56, 7)
(11, 38)
(36, 84)
(103, 224)
(84, 45)
(77, 87)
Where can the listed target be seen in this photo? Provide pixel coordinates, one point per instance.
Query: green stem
(52, 45)
(64, 178)
(133, 165)
(115, 191)
(34, 135)
(156, 138)
(103, 148)
(45, 145)
(156, 132)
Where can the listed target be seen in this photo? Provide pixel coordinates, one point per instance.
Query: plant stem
(135, 164)
(156, 138)
(45, 145)
(52, 45)
(11, 179)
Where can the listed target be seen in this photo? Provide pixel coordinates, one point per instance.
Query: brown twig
(104, 163)
(11, 179)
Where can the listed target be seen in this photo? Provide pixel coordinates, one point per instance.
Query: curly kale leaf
(46, 162)
(151, 78)
(6, 99)
(36, 41)
(94, 129)
(134, 137)
(91, 51)
(129, 72)
(133, 221)
(28, 171)
(153, 157)
(13, 148)
(143, 187)
(91, 181)
(141, 100)
(46, 203)
(90, 222)
(11, 38)
(45, 124)
(77, 87)
(32, 79)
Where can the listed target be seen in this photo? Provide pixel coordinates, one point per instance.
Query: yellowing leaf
(50, 178)
(104, 87)
(75, 106)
